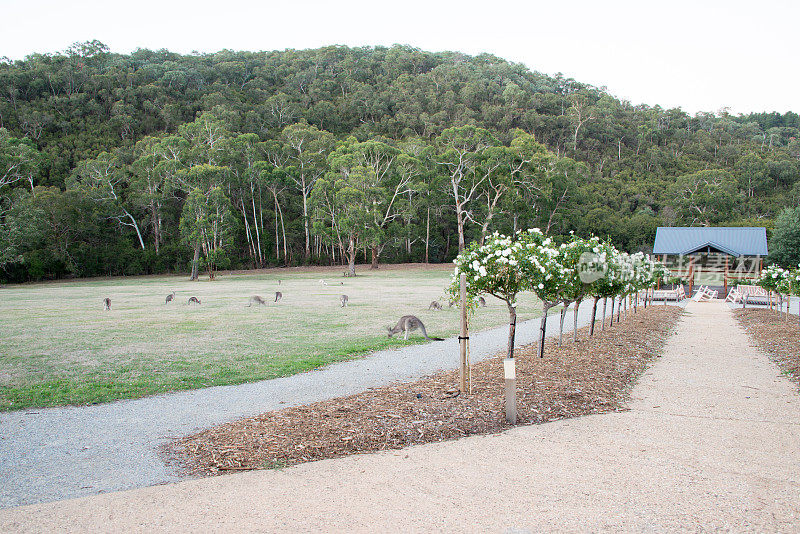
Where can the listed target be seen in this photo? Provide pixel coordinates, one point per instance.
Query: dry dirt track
(712, 442)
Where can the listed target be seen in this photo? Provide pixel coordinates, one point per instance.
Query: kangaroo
(106, 304)
(344, 299)
(194, 300)
(278, 296)
(255, 299)
(434, 305)
(482, 301)
(407, 323)
(170, 298)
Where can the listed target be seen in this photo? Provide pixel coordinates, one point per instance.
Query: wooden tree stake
(463, 339)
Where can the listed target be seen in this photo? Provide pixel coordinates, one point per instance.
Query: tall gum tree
(461, 152)
(392, 175)
(152, 183)
(103, 180)
(207, 221)
(343, 203)
(307, 149)
(245, 159)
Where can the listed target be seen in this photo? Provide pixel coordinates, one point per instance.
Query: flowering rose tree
(659, 274)
(794, 286)
(785, 288)
(549, 279)
(643, 268)
(575, 289)
(601, 270)
(625, 285)
(501, 267)
(774, 279)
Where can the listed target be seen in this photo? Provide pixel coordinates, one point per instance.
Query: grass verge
(59, 347)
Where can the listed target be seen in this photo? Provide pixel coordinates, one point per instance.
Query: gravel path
(711, 443)
(59, 453)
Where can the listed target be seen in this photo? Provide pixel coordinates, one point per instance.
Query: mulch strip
(591, 376)
(779, 338)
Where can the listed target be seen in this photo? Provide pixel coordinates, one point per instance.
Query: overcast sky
(700, 55)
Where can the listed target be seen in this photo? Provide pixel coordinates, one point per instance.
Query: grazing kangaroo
(435, 305)
(170, 298)
(106, 304)
(255, 299)
(482, 301)
(344, 299)
(408, 323)
(278, 296)
(194, 300)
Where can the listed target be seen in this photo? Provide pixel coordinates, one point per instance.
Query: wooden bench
(753, 294)
(677, 294)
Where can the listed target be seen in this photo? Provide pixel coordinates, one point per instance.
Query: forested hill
(141, 163)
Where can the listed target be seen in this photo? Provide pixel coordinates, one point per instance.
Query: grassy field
(58, 346)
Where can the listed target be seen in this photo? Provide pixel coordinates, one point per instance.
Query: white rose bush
(607, 261)
(505, 266)
(574, 289)
(775, 279)
(782, 282)
(501, 267)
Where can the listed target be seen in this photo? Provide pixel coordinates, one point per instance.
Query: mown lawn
(58, 346)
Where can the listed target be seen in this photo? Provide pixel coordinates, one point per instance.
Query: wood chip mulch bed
(779, 338)
(591, 376)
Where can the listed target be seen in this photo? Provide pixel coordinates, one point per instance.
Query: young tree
(575, 289)
(794, 286)
(775, 279)
(549, 279)
(502, 267)
(600, 270)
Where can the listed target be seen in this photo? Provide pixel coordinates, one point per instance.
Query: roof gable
(736, 241)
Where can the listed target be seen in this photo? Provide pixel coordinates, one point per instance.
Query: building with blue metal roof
(734, 241)
(703, 254)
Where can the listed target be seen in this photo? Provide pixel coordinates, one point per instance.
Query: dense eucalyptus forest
(159, 162)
